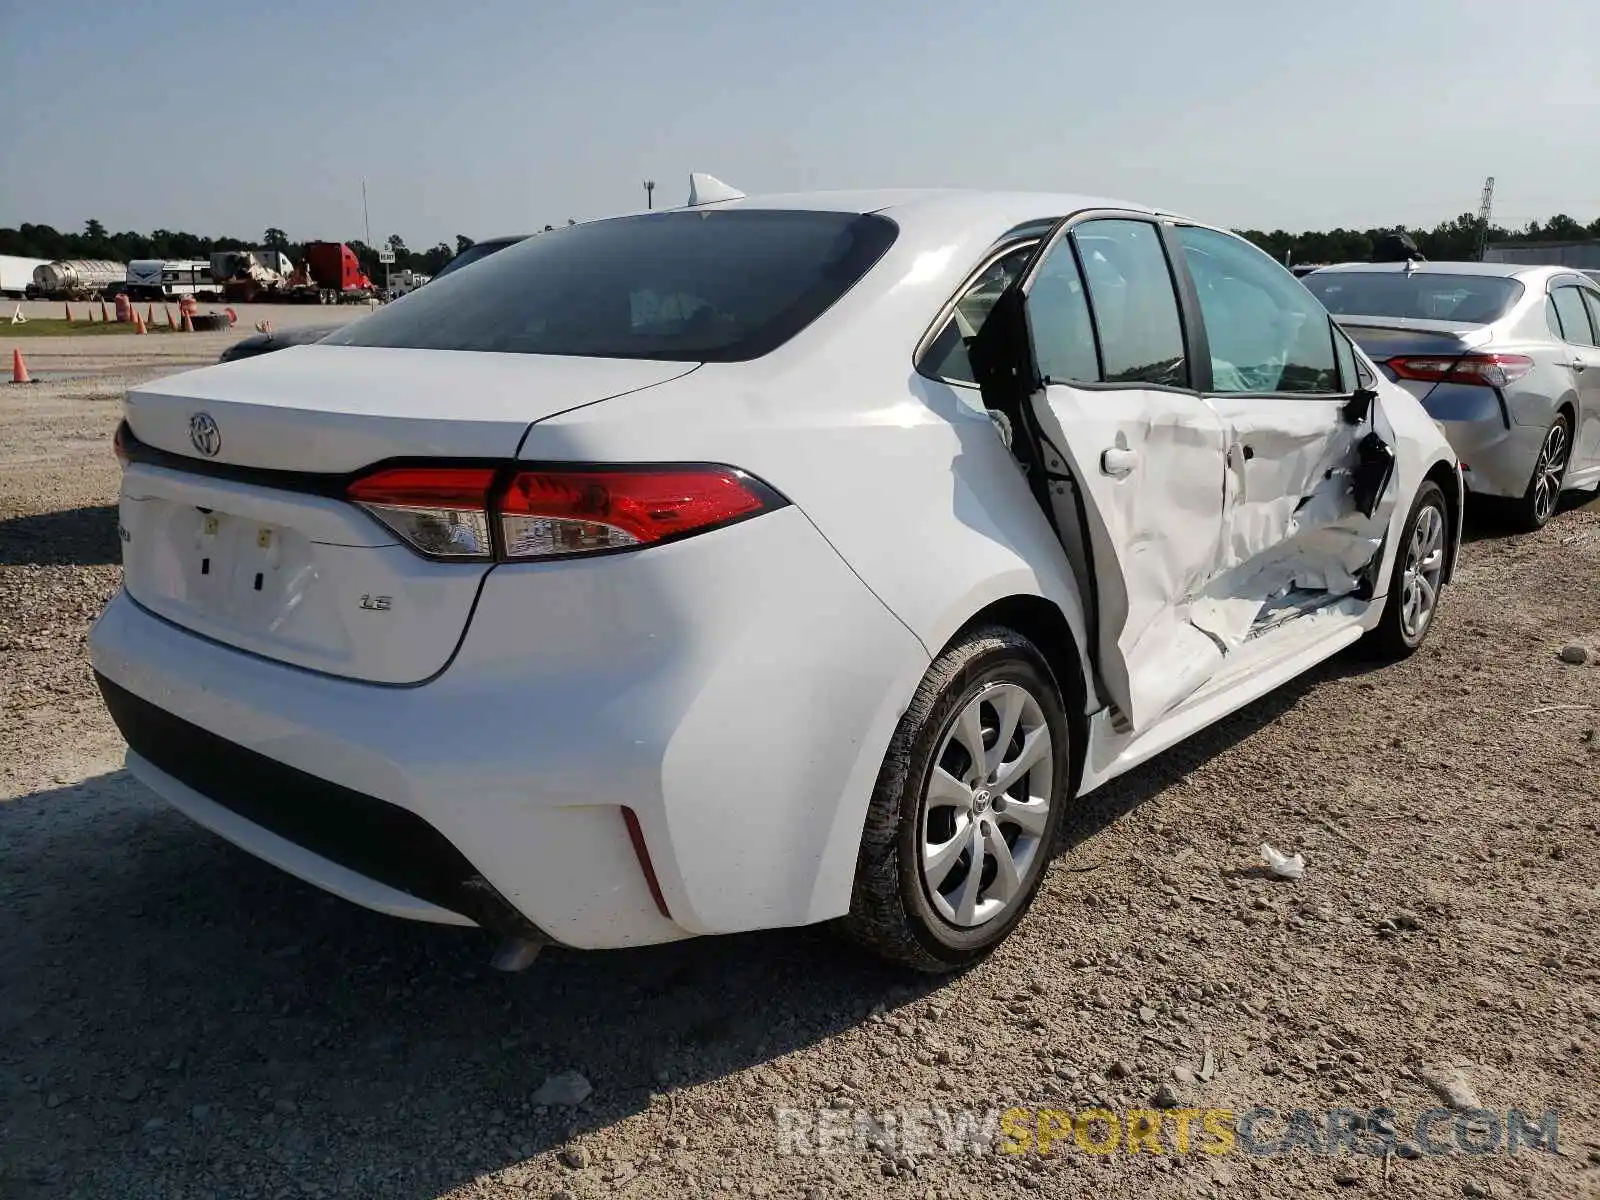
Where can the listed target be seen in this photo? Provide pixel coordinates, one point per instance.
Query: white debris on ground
(1282, 866)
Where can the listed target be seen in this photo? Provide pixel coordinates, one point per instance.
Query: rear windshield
(1423, 295)
(715, 286)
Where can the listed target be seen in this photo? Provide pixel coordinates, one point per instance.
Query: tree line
(1449, 241)
(1453, 240)
(47, 242)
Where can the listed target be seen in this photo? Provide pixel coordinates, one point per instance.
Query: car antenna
(708, 189)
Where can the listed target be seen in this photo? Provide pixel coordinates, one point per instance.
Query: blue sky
(493, 116)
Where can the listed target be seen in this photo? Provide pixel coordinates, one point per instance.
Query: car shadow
(1122, 795)
(1487, 518)
(79, 537)
(169, 999)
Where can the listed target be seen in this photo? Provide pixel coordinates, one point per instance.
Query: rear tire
(919, 899)
(1417, 582)
(1538, 503)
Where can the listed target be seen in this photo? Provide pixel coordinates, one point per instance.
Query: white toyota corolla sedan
(759, 563)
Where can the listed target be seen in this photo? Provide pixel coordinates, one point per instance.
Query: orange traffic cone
(149, 314)
(138, 323)
(68, 308)
(104, 315)
(168, 310)
(19, 369)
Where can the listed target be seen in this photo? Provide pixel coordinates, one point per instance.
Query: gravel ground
(179, 1020)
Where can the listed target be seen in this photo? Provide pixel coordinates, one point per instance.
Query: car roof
(933, 203)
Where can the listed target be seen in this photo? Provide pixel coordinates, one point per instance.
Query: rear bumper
(1496, 461)
(375, 853)
(736, 691)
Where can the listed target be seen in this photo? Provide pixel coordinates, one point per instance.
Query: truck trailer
(77, 279)
(16, 273)
(246, 276)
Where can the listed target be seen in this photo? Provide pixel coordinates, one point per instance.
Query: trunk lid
(280, 566)
(1384, 338)
(340, 408)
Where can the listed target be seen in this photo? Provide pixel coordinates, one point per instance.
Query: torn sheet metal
(1288, 470)
(1293, 524)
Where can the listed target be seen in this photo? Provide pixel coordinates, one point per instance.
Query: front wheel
(1418, 577)
(966, 808)
(1538, 504)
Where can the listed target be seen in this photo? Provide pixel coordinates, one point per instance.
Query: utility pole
(366, 220)
(1485, 208)
(650, 193)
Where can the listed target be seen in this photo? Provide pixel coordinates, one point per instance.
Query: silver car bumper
(1495, 461)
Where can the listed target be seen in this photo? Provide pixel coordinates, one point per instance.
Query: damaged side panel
(1211, 523)
(1209, 520)
(1148, 465)
(1297, 538)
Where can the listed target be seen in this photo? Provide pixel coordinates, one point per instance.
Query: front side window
(1574, 317)
(1267, 333)
(1058, 316)
(1135, 305)
(722, 285)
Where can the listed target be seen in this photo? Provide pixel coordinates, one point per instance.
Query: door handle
(1579, 365)
(1118, 462)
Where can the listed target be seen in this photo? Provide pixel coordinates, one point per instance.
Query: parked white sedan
(760, 563)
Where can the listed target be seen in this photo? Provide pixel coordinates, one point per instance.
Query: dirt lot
(179, 1020)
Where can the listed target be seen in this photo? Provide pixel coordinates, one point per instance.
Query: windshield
(1421, 295)
(711, 286)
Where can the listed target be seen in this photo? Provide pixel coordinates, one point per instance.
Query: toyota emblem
(205, 435)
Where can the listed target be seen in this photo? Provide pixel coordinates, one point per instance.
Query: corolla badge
(205, 435)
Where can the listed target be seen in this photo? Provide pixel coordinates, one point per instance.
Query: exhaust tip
(516, 954)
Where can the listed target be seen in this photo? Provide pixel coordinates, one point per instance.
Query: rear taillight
(1485, 370)
(521, 515)
(441, 511)
(574, 512)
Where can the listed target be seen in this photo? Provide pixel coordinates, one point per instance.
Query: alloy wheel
(1424, 568)
(986, 806)
(1548, 472)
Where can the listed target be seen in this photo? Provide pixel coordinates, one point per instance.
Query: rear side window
(1574, 317)
(946, 356)
(1349, 368)
(1135, 305)
(1418, 295)
(714, 286)
(1267, 333)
